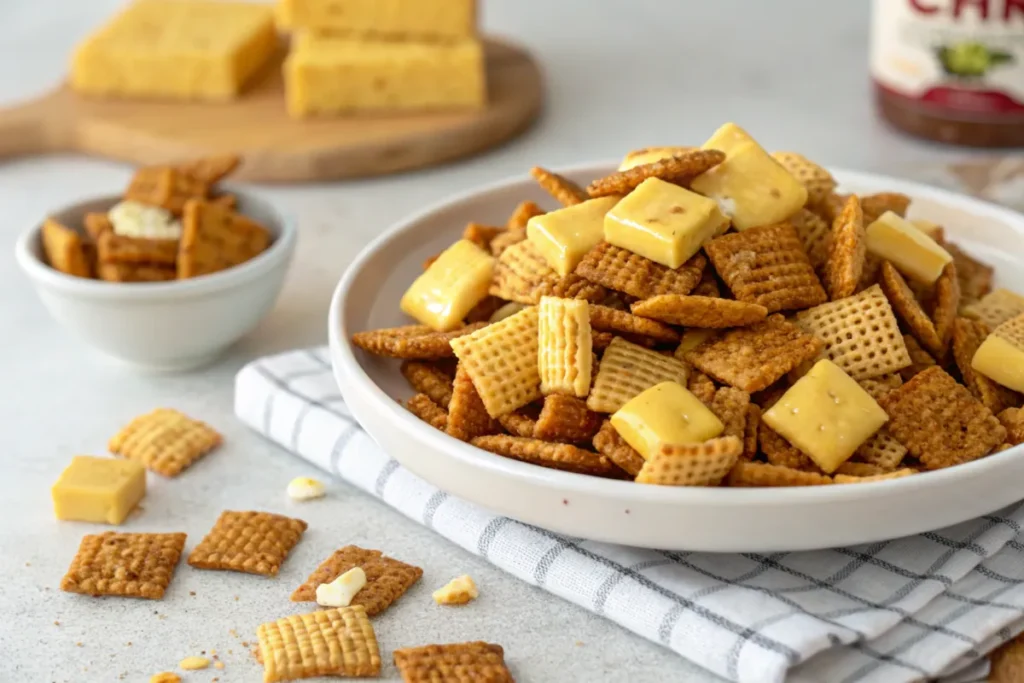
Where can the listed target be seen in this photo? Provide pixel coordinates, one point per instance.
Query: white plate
(726, 520)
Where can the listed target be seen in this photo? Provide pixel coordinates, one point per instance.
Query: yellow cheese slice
(665, 414)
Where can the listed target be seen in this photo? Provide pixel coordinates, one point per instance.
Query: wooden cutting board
(274, 147)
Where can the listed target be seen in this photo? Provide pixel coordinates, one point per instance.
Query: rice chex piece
(627, 370)
(846, 257)
(860, 334)
(753, 358)
(609, 442)
(387, 579)
(1013, 420)
(700, 311)
(612, 320)
(975, 277)
(467, 416)
(429, 379)
(849, 479)
(125, 565)
(939, 421)
(698, 464)
(882, 450)
(767, 265)
(679, 169)
(565, 346)
(331, 642)
(566, 418)
(882, 385)
(165, 441)
(996, 307)
(425, 409)
(414, 342)
(967, 337)
(817, 180)
(622, 270)
(559, 456)
(249, 542)
(561, 188)
(815, 235)
(501, 359)
(748, 474)
(453, 663)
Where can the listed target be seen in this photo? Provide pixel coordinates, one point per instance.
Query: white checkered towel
(906, 610)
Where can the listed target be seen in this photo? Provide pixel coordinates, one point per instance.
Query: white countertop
(793, 72)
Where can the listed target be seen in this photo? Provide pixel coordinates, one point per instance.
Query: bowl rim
(349, 372)
(271, 258)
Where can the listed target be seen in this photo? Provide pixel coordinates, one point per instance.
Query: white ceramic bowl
(727, 520)
(164, 326)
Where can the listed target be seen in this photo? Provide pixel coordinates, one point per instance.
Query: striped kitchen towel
(917, 608)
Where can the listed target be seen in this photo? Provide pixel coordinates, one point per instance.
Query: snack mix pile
(714, 316)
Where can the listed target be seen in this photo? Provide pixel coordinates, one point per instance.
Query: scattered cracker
(413, 342)
(874, 205)
(967, 337)
(761, 474)
(882, 385)
(214, 238)
(909, 310)
(1013, 420)
(817, 180)
(126, 565)
(700, 311)
(622, 270)
(780, 452)
(611, 320)
(467, 416)
(332, 642)
(517, 423)
(752, 430)
(609, 442)
(165, 441)
(425, 409)
(522, 215)
(939, 421)
(730, 406)
(166, 187)
(453, 663)
(561, 188)
(701, 386)
(565, 346)
(860, 333)
(135, 272)
(566, 418)
(815, 235)
(996, 307)
(429, 379)
(975, 277)
(481, 234)
(387, 579)
(755, 357)
(249, 542)
(97, 223)
(767, 265)
(708, 285)
(522, 274)
(679, 169)
(65, 249)
(848, 479)
(701, 464)
(627, 370)
(882, 450)
(847, 253)
(560, 456)
(210, 170)
(920, 360)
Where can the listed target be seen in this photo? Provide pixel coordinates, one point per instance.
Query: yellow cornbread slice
(101, 490)
(176, 49)
(827, 415)
(1001, 356)
(563, 237)
(452, 285)
(418, 19)
(665, 414)
(332, 75)
(909, 248)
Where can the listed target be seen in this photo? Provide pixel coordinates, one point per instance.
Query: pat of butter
(305, 488)
(914, 253)
(458, 591)
(102, 490)
(667, 413)
(649, 155)
(827, 415)
(339, 593)
(453, 284)
(1001, 356)
(663, 222)
(135, 219)
(564, 236)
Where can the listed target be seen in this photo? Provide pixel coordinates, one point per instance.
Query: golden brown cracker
(996, 307)
(815, 236)
(701, 386)
(424, 408)
(135, 272)
(700, 311)
(858, 469)
(249, 542)
(565, 191)
(65, 249)
(387, 579)
(708, 285)
(566, 418)
(756, 474)
(817, 180)
(909, 310)
(114, 248)
(752, 430)
(212, 169)
(429, 379)
(560, 456)
(946, 303)
(524, 211)
(166, 187)
(453, 663)
(698, 464)
(975, 277)
(331, 642)
(679, 169)
(481, 235)
(1013, 420)
(874, 205)
(882, 385)
(627, 370)
(518, 423)
(780, 452)
(730, 406)
(165, 441)
(126, 565)
(622, 270)
(612, 320)
(967, 337)
(413, 342)
(467, 416)
(507, 239)
(920, 360)
(97, 223)
(609, 442)
(867, 479)
(522, 274)
(882, 450)
(846, 255)
(214, 238)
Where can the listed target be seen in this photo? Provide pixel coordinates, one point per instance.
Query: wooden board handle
(31, 127)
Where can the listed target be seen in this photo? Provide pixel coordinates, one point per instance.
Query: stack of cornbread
(382, 55)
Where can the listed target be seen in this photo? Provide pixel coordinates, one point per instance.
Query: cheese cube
(1001, 356)
(727, 138)
(458, 591)
(665, 414)
(648, 155)
(397, 19)
(453, 284)
(101, 490)
(914, 253)
(750, 186)
(339, 593)
(663, 222)
(564, 236)
(176, 49)
(827, 415)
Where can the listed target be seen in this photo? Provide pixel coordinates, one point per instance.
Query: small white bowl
(682, 518)
(164, 326)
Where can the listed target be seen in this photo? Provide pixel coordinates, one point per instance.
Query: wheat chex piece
(967, 337)
(909, 310)
(565, 191)
(481, 235)
(780, 452)
(332, 642)
(214, 238)
(65, 249)
(566, 418)
(701, 386)
(815, 236)
(699, 464)
(767, 265)
(387, 579)
(601, 340)
(612, 320)
(609, 442)
(975, 277)
(996, 307)
(846, 257)
(249, 542)
(817, 180)
(565, 346)
(521, 274)
(747, 474)
(165, 441)
(560, 456)
(411, 342)
(700, 311)
(946, 303)
(939, 421)
(519, 423)
(851, 479)
(453, 663)
(165, 186)
(425, 409)
(882, 450)
(502, 361)
(429, 379)
(882, 385)
(753, 358)
(708, 285)
(860, 333)
(874, 205)
(1013, 420)
(467, 415)
(114, 248)
(622, 270)
(679, 169)
(627, 370)
(125, 565)
(730, 406)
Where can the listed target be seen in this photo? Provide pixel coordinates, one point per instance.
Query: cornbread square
(426, 19)
(176, 49)
(126, 565)
(165, 441)
(250, 542)
(454, 663)
(98, 489)
(333, 75)
(387, 579)
(332, 642)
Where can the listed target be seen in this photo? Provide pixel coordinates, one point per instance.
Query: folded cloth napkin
(917, 608)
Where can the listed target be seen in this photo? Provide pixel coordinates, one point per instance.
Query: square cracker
(700, 311)
(697, 464)
(609, 443)
(627, 370)
(214, 238)
(454, 663)
(767, 265)
(909, 310)
(165, 441)
(939, 421)
(65, 249)
(332, 642)
(521, 274)
(114, 248)
(387, 579)
(996, 307)
(165, 186)
(467, 415)
(622, 270)
(135, 272)
(249, 542)
(127, 565)
(566, 418)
